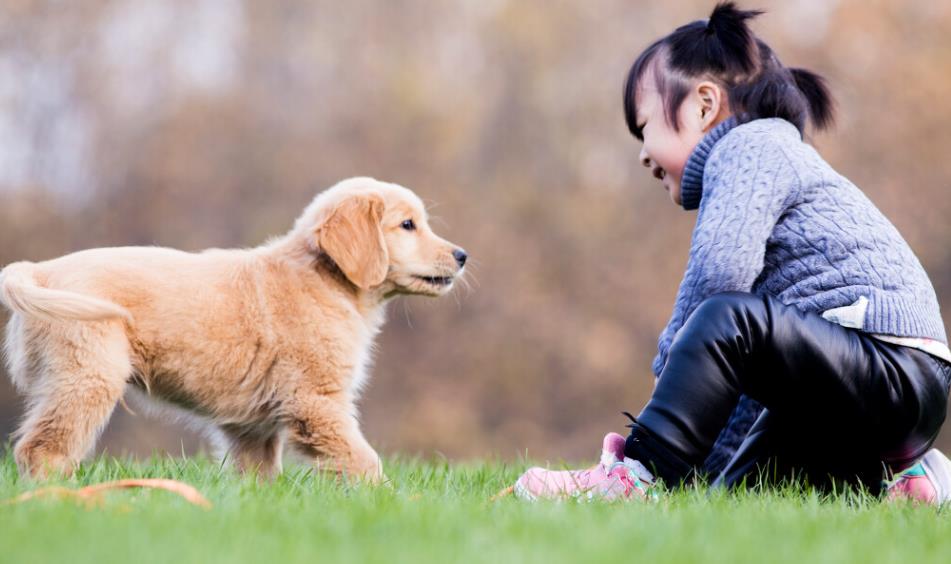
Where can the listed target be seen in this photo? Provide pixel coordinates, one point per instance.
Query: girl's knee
(729, 306)
(724, 317)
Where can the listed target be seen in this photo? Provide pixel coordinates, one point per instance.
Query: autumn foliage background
(212, 123)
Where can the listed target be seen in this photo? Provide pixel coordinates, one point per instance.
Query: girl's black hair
(724, 49)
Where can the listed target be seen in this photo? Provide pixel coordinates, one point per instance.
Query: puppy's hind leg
(255, 452)
(85, 370)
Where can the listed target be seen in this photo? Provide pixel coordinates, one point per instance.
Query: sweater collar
(691, 183)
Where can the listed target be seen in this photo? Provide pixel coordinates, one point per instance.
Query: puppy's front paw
(370, 470)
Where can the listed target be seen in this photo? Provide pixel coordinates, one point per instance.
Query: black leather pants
(839, 404)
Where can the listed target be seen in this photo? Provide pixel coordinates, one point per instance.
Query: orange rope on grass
(92, 494)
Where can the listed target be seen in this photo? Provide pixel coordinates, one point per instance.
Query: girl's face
(665, 150)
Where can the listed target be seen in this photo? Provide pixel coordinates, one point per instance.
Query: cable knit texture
(775, 219)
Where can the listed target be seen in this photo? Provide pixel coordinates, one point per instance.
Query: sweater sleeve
(748, 183)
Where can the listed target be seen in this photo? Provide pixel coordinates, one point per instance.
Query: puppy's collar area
(325, 263)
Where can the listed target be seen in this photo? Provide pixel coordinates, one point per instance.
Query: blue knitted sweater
(775, 219)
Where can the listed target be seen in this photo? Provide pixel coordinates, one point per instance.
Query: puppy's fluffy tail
(20, 292)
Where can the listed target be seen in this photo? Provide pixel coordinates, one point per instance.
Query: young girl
(801, 307)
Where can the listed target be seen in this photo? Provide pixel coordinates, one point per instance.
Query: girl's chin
(673, 193)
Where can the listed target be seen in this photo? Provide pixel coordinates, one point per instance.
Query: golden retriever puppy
(268, 345)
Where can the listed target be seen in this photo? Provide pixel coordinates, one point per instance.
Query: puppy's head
(378, 235)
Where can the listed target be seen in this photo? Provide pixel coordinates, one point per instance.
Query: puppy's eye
(408, 225)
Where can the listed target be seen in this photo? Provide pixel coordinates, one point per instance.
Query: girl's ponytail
(727, 24)
(724, 44)
(813, 88)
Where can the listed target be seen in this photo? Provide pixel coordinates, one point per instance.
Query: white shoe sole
(938, 470)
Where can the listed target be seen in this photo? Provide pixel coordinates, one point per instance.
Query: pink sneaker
(928, 481)
(614, 477)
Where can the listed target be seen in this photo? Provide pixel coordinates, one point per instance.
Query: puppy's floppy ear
(353, 237)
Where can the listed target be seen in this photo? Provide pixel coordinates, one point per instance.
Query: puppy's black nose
(460, 257)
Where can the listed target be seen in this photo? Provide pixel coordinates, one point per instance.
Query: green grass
(439, 512)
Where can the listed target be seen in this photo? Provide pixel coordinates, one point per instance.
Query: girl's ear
(353, 237)
(712, 104)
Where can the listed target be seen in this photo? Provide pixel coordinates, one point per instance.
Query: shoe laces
(633, 476)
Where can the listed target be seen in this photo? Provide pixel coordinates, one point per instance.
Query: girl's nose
(645, 160)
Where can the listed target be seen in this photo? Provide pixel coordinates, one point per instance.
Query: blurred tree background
(212, 123)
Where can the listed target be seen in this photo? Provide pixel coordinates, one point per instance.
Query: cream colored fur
(269, 345)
